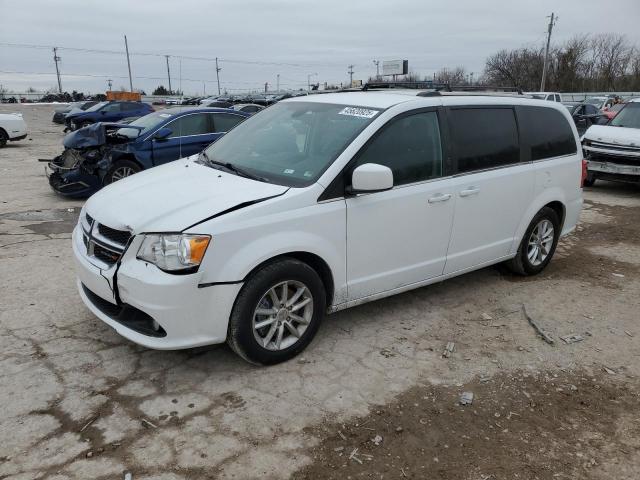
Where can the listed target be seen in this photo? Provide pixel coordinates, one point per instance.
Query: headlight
(173, 251)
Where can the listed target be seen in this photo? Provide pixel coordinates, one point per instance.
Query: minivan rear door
(492, 186)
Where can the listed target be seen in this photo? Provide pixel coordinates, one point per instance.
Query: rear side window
(194, 124)
(409, 146)
(547, 132)
(224, 122)
(484, 138)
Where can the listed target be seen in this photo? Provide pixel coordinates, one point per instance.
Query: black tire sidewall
(545, 214)
(4, 138)
(119, 164)
(590, 180)
(240, 333)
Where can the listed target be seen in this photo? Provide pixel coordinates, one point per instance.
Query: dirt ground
(79, 402)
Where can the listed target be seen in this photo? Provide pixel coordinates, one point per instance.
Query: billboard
(395, 67)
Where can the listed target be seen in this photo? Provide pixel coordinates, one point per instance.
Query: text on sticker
(358, 112)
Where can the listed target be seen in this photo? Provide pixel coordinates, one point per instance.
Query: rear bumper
(187, 316)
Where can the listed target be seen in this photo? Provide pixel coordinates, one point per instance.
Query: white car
(12, 128)
(550, 96)
(321, 203)
(613, 150)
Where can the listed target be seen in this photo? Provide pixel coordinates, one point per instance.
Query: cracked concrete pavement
(78, 401)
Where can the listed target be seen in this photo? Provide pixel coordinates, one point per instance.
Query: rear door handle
(440, 197)
(469, 191)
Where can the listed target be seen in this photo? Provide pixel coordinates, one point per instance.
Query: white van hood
(172, 197)
(613, 135)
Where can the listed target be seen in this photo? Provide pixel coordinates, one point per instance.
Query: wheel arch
(552, 198)
(314, 261)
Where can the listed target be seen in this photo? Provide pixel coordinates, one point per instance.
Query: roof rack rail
(434, 88)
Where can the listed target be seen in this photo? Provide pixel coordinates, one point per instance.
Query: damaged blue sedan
(103, 153)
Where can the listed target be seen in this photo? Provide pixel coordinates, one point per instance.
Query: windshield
(628, 117)
(291, 143)
(148, 123)
(96, 107)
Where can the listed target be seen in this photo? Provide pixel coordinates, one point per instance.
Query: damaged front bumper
(619, 163)
(73, 175)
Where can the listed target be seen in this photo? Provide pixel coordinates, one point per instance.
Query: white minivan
(320, 203)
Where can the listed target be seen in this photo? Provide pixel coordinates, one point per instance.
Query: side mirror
(371, 177)
(162, 133)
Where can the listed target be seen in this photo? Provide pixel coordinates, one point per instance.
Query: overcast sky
(257, 40)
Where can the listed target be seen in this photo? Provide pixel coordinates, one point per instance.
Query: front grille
(120, 237)
(103, 243)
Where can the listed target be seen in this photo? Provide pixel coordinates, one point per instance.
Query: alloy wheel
(282, 315)
(540, 242)
(121, 172)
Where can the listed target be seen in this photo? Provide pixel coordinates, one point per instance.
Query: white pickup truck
(613, 150)
(12, 128)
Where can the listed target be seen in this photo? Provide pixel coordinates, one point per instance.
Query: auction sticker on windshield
(358, 112)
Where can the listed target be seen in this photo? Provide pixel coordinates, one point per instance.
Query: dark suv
(107, 112)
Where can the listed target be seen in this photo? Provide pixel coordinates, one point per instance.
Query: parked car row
(60, 113)
(109, 111)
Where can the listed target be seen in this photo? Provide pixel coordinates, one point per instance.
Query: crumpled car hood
(613, 135)
(92, 136)
(174, 196)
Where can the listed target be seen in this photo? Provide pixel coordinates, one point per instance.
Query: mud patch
(46, 222)
(523, 425)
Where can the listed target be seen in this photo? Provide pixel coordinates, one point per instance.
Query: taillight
(584, 172)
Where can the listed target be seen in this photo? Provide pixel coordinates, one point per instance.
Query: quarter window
(195, 124)
(484, 138)
(547, 131)
(409, 146)
(224, 122)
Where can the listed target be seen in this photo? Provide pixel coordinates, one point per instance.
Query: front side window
(628, 117)
(409, 146)
(223, 122)
(547, 131)
(484, 138)
(194, 124)
(112, 107)
(292, 143)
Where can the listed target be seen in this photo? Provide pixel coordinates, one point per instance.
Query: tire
(4, 138)
(522, 263)
(121, 169)
(260, 345)
(590, 180)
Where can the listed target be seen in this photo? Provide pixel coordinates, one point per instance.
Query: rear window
(547, 132)
(484, 138)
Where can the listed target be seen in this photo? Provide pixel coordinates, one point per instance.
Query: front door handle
(469, 191)
(440, 197)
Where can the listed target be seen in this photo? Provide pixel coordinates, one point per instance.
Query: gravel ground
(81, 402)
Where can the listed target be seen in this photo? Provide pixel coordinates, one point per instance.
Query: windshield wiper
(232, 168)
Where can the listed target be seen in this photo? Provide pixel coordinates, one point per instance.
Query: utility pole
(552, 22)
(109, 82)
(266, 87)
(56, 59)
(278, 83)
(471, 77)
(126, 47)
(350, 72)
(218, 75)
(377, 64)
(168, 73)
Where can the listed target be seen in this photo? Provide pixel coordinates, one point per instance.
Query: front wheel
(538, 244)
(121, 169)
(3, 138)
(277, 312)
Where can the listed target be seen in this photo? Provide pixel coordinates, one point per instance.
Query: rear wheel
(538, 244)
(3, 138)
(277, 312)
(121, 169)
(590, 180)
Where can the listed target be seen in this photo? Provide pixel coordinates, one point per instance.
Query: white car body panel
(13, 124)
(374, 245)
